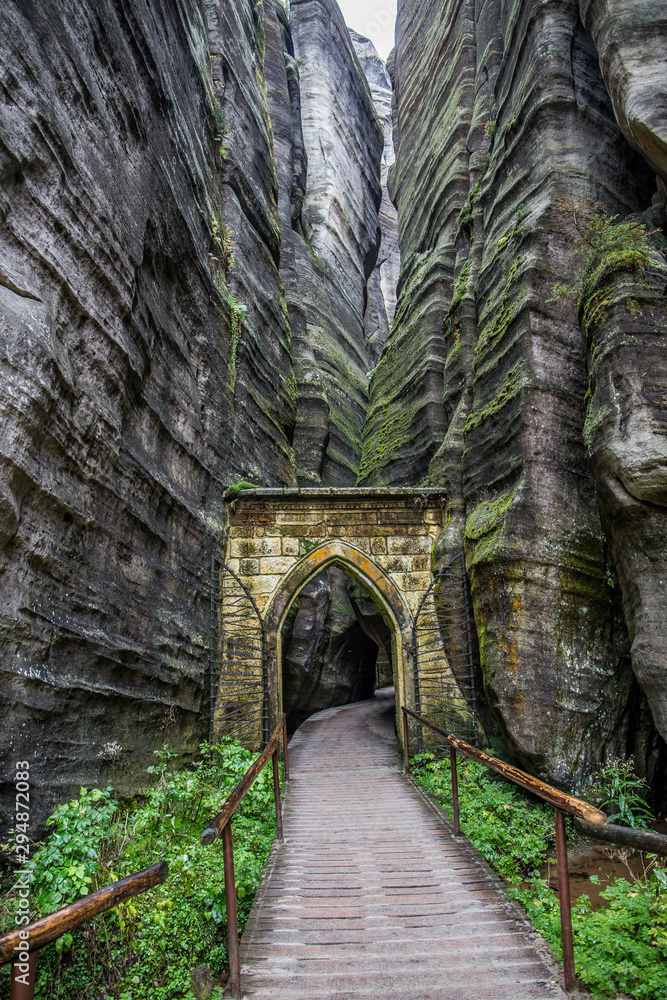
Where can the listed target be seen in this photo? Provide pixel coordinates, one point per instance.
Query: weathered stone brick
(421, 563)
(415, 582)
(276, 564)
(249, 567)
(297, 517)
(245, 548)
(290, 546)
(351, 516)
(396, 564)
(262, 584)
(378, 546)
(406, 544)
(362, 543)
(241, 531)
(401, 517)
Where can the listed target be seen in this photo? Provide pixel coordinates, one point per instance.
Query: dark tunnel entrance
(336, 646)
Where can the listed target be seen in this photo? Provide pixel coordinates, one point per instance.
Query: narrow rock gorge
(235, 246)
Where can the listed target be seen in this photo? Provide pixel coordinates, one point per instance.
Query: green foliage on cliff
(148, 946)
(222, 129)
(620, 948)
(605, 248)
(612, 247)
(485, 526)
(238, 313)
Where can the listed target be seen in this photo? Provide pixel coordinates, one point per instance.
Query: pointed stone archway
(379, 585)
(278, 540)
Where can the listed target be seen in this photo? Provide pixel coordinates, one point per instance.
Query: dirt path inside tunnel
(370, 896)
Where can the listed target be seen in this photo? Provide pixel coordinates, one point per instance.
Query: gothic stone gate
(279, 539)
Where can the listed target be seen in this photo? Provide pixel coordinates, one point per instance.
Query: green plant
(622, 948)
(149, 945)
(605, 247)
(223, 247)
(222, 129)
(490, 128)
(622, 794)
(70, 863)
(611, 247)
(233, 491)
(238, 313)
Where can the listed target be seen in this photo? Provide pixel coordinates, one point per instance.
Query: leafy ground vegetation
(148, 946)
(621, 948)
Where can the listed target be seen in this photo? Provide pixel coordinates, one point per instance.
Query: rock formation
(328, 150)
(154, 323)
(506, 146)
(197, 261)
(381, 304)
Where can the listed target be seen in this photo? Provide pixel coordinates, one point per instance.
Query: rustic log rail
(30, 939)
(221, 825)
(588, 819)
(562, 803)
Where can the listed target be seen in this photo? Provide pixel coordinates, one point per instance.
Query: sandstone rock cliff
(381, 297)
(188, 224)
(504, 130)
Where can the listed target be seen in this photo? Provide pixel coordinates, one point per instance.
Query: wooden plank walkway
(370, 896)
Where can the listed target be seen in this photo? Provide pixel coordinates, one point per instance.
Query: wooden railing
(21, 945)
(221, 825)
(591, 820)
(27, 941)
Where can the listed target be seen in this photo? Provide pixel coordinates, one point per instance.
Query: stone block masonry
(279, 539)
(401, 524)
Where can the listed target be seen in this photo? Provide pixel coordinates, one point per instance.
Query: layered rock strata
(623, 317)
(329, 147)
(506, 141)
(141, 370)
(336, 238)
(176, 252)
(381, 296)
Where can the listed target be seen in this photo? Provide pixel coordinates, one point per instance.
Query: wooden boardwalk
(370, 896)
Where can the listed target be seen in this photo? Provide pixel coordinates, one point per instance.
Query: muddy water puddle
(606, 861)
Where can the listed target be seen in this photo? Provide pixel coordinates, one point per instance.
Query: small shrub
(622, 794)
(238, 311)
(222, 130)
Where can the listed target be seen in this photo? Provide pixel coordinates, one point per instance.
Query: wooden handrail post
(285, 750)
(564, 900)
(20, 989)
(232, 918)
(455, 791)
(406, 747)
(276, 794)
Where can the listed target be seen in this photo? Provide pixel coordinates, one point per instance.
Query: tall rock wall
(506, 145)
(177, 249)
(381, 292)
(132, 354)
(335, 237)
